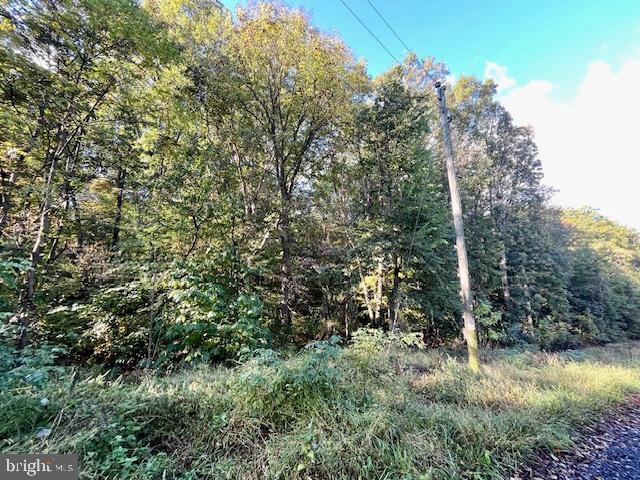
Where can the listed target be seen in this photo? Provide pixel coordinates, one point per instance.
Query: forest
(183, 185)
(179, 184)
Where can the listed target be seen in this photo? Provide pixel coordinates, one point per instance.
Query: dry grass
(327, 413)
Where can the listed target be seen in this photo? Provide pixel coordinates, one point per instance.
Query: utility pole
(470, 333)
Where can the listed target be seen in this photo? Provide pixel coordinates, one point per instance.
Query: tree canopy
(180, 183)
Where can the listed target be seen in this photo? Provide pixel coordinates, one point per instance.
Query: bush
(489, 321)
(210, 318)
(111, 329)
(372, 341)
(280, 392)
(554, 335)
(587, 330)
(11, 269)
(190, 312)
(372, 349)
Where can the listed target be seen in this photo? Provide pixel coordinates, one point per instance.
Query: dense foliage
(182, 184)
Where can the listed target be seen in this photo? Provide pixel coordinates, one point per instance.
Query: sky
(569, 68)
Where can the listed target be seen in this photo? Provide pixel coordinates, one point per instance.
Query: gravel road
(609, 450)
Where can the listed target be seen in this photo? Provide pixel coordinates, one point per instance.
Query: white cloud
(589, 144)
(498, 74)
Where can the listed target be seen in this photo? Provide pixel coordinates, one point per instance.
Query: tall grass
(326, 413)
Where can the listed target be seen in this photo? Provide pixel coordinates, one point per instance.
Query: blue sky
(534, 38)
(564, 66)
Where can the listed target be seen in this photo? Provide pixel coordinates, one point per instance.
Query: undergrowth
(372, 411)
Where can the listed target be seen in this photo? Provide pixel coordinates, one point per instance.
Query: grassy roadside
(326, 413)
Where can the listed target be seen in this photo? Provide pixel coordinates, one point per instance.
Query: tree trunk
(5, 197)
(378, 294)
(504, 278)
(395, 294)
(365, 293)
(247, 200)
(9, 184)
(285, 266)
(115, 238)
(527, 299)
(68, 194)
(196, 236)
(77, 220)
(470, 333)
(25, 316)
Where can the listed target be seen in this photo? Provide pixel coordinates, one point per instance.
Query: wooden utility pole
(470, 333)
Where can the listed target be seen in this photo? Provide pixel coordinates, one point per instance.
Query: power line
(389, 26)
(370, 32)
(402, 298)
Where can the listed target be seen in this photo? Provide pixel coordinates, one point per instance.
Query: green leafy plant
(372, 341)
(11, 270)
(213, 318)
(490, 321)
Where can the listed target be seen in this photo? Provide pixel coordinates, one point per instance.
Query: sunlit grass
(324, 415)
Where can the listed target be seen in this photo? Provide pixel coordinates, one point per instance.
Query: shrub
(587, 330)
(189, 312)
(11, 269)
(281, 392)
(210, 320)
(371, 347)
(554, 335)
(369, 341)
(111, 329)
(489, 322)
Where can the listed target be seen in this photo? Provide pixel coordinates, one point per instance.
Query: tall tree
(294, 84)
(399, 207)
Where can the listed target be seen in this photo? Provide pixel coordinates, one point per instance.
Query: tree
(399, 209)
(294, 85)
(80, 54)
(181, 176)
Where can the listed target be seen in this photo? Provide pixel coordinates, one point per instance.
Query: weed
(324, 413)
